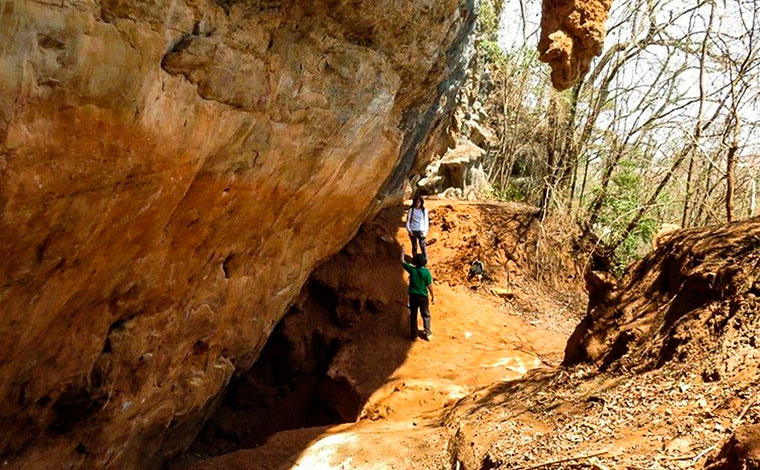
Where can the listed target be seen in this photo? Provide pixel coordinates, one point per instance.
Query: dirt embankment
(342, 354)
(658, 375)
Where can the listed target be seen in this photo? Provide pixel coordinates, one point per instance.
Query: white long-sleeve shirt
(417, 220)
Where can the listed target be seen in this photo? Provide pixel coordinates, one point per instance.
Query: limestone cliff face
(171, 171)
(572, 34)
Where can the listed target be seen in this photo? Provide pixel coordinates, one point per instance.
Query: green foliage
(491, 52)
(509, 194)
(623, 199)
(636, 244)
(488, 27)
(488, 32)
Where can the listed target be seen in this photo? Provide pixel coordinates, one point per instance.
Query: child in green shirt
(420, 283)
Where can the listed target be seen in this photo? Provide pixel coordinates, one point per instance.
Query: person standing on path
(417, 225)
(420, 283)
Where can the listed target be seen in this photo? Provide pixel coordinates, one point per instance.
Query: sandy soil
(485, 332)
(488, 392)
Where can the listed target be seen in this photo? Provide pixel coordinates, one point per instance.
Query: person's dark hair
(419, 260)
(418, 198)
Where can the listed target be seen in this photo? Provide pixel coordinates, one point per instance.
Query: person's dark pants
(419, 302)
(418, 237)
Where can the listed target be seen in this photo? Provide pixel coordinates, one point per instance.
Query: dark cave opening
(288, 387)
(320, 363)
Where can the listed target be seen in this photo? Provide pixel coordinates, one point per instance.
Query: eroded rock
(460, 170)
(171, 172)
(572, 34)
(315, 369)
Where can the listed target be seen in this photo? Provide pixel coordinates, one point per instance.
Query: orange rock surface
(572, 34)
(172, 171)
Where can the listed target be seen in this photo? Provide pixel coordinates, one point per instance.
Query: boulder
(481, 135)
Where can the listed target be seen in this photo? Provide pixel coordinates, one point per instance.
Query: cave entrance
(345, 334)
(288, 387)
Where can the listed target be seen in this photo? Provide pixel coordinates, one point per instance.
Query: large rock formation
(172, 171)
(456, 168)
(572, 34)
(459, 173)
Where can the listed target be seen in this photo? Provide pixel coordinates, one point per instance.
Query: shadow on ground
(342, 352)
(298, 388)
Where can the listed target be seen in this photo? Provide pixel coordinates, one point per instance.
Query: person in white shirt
(417, 225)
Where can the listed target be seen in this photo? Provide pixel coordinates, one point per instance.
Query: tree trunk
(698, 128)
(609, 168)
(652, 199)
(551, 156)
(687, 198)
(731, 168)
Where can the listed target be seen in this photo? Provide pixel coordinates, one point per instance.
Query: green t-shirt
(419, 279)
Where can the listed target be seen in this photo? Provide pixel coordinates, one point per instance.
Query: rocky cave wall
(172, 171)
(317, 367)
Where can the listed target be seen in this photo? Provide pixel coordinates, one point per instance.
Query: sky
(642, 88)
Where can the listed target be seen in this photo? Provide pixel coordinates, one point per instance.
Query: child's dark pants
(419, 302)
(417, 237)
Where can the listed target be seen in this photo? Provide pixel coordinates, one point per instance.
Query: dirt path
(486, 392)
(483, 334)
